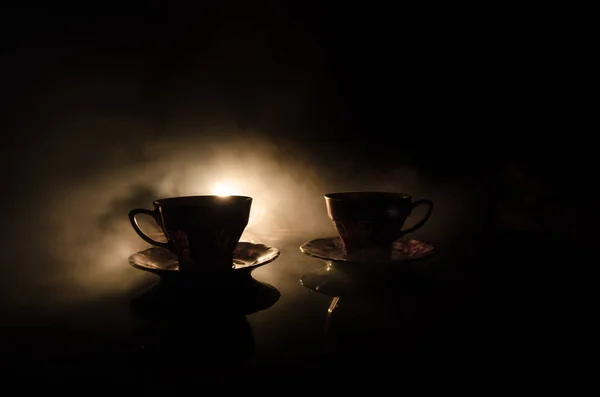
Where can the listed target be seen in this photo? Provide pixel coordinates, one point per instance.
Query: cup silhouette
(368, 223)
(202, 231)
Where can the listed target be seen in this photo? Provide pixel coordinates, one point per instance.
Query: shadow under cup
(368, 223)
(202, 231)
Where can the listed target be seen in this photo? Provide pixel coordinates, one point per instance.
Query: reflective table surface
(466, 309)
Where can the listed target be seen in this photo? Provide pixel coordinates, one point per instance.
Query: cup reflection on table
(358, 329)
(198, 327)
(388, 316)
(186, 337)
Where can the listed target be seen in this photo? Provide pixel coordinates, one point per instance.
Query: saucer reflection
(337, 279)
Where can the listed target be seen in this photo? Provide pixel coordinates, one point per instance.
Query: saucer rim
(276, 255)
(391, 261)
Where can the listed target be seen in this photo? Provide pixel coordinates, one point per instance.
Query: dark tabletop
(459, 311)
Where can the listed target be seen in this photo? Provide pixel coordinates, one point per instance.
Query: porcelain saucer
(342, 277)
(246, 256)
(332, 249)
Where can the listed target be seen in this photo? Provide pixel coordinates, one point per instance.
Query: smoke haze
(98, 129)
(71, 231)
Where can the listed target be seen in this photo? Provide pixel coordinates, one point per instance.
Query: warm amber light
(223, 189)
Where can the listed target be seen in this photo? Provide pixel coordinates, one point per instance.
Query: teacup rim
(239, 198)
(337, 196)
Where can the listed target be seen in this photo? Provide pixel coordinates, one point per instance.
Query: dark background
(107, 106)
(448, 87)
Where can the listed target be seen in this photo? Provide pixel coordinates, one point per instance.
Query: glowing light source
(224, 189)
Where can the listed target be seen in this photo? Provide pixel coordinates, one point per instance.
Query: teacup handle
(154, 214)
(425, 218)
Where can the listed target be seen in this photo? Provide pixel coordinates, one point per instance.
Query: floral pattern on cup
(182, 250)
(223, 239)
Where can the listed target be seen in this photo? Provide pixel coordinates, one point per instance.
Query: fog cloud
(91, 141)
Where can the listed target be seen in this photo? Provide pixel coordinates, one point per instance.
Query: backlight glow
(224, 189)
